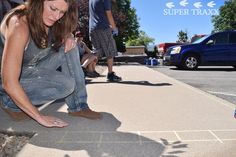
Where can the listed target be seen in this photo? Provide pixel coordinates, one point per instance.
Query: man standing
(102, 27)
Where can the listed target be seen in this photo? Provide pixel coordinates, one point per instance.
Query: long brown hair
(33, 9)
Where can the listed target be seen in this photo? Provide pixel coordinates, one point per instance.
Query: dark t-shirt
(97, 14)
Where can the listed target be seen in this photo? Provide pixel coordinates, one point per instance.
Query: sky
(163, 19)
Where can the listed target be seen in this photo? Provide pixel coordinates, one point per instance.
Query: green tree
(83, 21)
(126, 19)
(142, 40)
(226, 19)
(182, 36)
(124, 15)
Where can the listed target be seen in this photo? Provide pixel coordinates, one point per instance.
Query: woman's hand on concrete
(50, 121)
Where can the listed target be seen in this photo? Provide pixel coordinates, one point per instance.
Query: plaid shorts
(103, 43)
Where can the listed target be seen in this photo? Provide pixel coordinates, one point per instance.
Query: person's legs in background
(111, 76)
(89, 62)
(104, 44)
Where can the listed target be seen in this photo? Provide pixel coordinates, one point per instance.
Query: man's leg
(110, 64)
(104, 44)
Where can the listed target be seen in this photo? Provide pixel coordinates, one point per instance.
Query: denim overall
(43, 83)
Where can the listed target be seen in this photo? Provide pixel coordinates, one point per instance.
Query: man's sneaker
(96, 73)
(112, 77)
(91, 74)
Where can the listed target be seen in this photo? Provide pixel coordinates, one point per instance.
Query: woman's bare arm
(16, 38)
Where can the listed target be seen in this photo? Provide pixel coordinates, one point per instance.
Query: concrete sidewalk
(148, 114)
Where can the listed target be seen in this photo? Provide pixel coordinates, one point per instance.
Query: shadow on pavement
(98, 138)
(208, 69)
(144, 83)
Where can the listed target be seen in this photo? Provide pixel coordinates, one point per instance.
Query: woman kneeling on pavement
(32, 49)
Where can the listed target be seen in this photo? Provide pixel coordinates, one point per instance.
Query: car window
(232, 38)
(218, 39)
(221, 38)
(200, 39)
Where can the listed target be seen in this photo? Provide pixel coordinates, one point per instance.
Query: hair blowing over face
(33, 10)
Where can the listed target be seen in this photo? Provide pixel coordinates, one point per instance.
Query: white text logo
(184, 7)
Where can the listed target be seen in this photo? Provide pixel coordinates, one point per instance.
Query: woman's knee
(69, 85)
(65, 85)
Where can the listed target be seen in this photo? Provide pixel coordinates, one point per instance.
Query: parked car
(162, 48)
(195, 37)
(218, 49)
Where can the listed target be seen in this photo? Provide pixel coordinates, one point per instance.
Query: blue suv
(218, 49)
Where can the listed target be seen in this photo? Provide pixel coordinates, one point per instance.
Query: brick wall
(135, 50)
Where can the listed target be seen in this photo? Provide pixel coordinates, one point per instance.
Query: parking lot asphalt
(148, 114)
(216, 80)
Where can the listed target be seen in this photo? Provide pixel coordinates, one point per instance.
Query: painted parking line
(142, 137)
(215, 136)
(222, 93)
(178, 137)
(200, 135)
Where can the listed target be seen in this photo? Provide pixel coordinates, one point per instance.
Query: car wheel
(191, 62)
